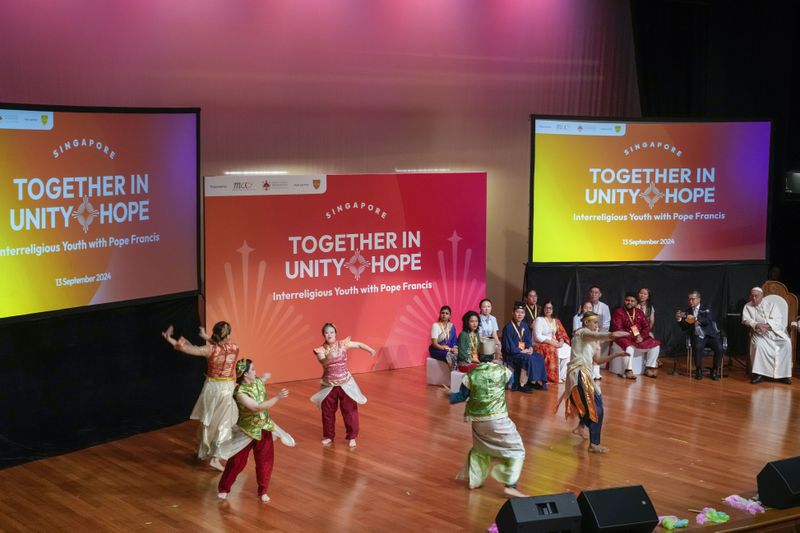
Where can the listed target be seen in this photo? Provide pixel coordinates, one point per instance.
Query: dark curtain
(726, 60)
(80, 379)
(724, 287)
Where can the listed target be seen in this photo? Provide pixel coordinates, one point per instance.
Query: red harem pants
(349, 409)
(263, 451)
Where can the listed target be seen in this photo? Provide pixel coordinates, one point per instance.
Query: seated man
(770, 347)
(518, 352)
(697, 321)
(631, 319)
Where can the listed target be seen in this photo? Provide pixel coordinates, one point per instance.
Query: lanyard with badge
(521, 343)
(631, 319)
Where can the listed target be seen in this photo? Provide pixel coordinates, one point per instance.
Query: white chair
(455, 380)
(617, 366)
(436, 372)
(777, 293)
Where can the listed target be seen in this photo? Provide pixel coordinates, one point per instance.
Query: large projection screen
(97, 206)
(636, 191)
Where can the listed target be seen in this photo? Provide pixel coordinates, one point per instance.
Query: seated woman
(577, 320)
(443, 338)
(645, 303)
(488, 328)
(468, 342)
(551, 340)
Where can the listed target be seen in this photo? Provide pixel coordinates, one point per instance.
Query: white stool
(456, 378)
(617, 366)
(436, 372)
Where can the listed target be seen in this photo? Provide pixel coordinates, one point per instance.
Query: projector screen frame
(648, 120)
(198, 192)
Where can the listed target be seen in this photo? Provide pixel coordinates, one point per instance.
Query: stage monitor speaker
(554, 513)
(779, 483)
(627, 509)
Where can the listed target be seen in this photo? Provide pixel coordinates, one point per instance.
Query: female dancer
(443, 338)
(254, 431)
(338, 387)
(215, 408)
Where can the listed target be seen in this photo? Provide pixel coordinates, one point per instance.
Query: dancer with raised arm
(582, 394)
(215, 408)
(254, 430)
(338, 387)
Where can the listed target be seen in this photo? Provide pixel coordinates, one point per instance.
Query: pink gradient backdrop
(341, 86)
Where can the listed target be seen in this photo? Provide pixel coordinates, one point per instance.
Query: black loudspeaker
(554, 513)
(779, 483)
(627, 509)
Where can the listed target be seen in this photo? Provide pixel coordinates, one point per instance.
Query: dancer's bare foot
(581, 432)
(326, 442)
(214, 463)
(596, 448)
(514, 493)
(630, 375)
(446, 388)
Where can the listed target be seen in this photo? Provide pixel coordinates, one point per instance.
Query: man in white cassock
(770, 346)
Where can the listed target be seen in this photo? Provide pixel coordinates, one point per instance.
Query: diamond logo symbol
(357, 264)
(85, 214)
(651, 195)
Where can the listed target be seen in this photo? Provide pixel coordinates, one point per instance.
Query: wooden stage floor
(689, 443)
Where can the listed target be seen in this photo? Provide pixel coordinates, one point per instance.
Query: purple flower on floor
(743, 504)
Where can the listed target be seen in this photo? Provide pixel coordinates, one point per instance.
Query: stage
(689, 443)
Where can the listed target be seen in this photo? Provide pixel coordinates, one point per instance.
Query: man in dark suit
(697, 321)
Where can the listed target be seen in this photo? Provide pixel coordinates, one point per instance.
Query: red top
(624, 320)
(222, 361)
(336, 373)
